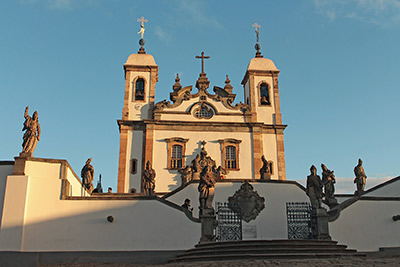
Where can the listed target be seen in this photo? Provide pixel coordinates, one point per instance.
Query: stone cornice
(203, 126)
(269, 73)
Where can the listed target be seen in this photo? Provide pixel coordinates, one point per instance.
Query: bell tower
(261, 93)
(141, 76)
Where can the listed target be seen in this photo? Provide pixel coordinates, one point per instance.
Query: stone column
(319, 222)
(208, 225)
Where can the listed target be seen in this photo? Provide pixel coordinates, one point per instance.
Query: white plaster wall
(135, 145)
(215, 118)
(271, 223)
(5, 170)
(265, 113)
(368, 225)
(390, 190)
(76, 188)
(139, 110)
(168, 180)
(270, 152)
(52, 224)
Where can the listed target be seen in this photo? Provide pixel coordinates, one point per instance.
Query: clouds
(379, 12)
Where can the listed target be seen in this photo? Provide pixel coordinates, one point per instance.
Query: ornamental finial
(141, 32)
(257, 46)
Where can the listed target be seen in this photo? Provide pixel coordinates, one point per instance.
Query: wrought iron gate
(229, 223)
(299, 220)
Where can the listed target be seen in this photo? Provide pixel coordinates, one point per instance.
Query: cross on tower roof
(142, 20)
(255, 25)
(202, 61)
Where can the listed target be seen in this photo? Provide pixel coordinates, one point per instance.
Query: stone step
(267, 245)
(283, 242)
(269, 250)
(237, 256)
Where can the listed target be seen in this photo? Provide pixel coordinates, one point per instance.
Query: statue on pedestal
(314, 188)
(32, 133)
(328, 179)
(207, 180)
(360, 179)
(149, 175)
(265, 171)
(87, 174)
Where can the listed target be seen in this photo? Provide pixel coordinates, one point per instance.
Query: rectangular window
(176, 157)
(230, 157)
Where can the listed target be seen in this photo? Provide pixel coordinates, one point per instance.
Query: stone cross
(256, 25)
(142, 20)
(202, 60)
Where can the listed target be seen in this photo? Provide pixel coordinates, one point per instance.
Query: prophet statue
(149, 175)
(361, 178)
(314, 188)
(32, 132)
(87, 174)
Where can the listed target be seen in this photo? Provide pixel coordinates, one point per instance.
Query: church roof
(141, 60)
(259, 63)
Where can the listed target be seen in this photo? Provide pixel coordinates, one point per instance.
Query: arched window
(139, 89)
(203, 112)
(264, 94)
(230, 157)
(176, 157)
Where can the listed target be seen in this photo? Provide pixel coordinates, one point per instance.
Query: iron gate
(299, 220)
(229, 223)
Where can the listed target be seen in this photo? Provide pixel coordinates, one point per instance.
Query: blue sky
(339, 80)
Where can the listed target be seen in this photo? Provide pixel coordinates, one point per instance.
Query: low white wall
(47, 223)
(5, 170)
(368, 225)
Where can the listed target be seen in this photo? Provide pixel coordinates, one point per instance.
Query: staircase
(266, 249)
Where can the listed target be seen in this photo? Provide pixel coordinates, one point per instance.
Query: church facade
(170, 134)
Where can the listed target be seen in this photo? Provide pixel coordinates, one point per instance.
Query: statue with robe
(265, 171)
(32, 132)
(149, 183)
(361, 178)
(328, 180)
(87, 174)
(314, 188)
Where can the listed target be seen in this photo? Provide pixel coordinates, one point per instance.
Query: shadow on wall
(136, 225)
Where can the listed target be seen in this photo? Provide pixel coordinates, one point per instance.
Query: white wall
(389, 190)
(168, 180)
(47, 223)
(271, 223)
(5, 170)
(368, 225)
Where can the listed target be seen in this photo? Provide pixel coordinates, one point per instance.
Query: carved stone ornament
(247, 201)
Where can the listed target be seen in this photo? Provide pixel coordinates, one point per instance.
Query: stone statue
(32, 133)
(206, 188)
(186, 174)
(265, 171)
(207, 181)
(196, 168)
(149, 176)
(360, 179)
(87, 175)
(314, 188)
(328, 179)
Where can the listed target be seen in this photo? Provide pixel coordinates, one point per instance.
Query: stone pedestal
(208, 225)
(320, 226)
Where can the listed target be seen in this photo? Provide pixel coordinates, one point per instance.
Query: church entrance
(229, 223)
